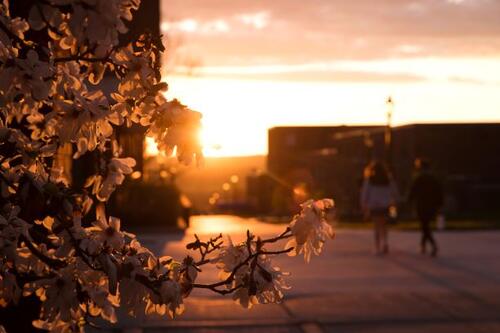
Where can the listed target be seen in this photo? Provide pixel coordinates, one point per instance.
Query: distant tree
(56, 242)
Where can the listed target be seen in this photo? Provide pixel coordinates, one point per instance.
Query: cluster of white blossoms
(311, 228)
(52, 249)
(252, 275)
(116, 169)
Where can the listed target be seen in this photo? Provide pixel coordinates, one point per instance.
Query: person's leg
(377, 227)
(423, 249)
(430, 236)
(385, 242)
(427, 235)
(423, 230)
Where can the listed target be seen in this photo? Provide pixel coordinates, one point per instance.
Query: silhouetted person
(378, 193)
(426, 194)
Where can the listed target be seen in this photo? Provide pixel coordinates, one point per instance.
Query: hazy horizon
(253, 65)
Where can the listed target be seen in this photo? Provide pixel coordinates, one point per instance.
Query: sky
(249, 65)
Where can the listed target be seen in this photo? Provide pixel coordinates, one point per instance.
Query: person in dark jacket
(426, 194)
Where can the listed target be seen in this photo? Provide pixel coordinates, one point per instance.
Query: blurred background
(297, 98)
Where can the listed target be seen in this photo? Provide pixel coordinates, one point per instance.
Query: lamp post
(388, 132)
(367, 140)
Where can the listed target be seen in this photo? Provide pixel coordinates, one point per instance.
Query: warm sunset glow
(238, 112)
(150, 147)
(283, 63)
(220, 139)
(211, 138)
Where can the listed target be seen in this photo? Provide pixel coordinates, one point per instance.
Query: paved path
(348, 289)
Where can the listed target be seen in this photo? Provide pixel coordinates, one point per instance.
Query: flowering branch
(51, 247)
(82, 57)
(54, 263)
(13, 36)
(205, 249)
(286, 234)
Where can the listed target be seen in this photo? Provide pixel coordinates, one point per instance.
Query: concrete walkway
(348, 289)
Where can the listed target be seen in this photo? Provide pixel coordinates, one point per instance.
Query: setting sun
(210, 139)
(237, 113)
(254, 66)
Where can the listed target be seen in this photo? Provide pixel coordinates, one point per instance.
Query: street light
(390, 109)
(388, 131)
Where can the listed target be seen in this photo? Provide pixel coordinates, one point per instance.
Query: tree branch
(285, 234)
(277, 252)
(82, 57)
(51, 262)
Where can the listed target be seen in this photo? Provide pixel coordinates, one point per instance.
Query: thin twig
(285, 234)
(277, 252)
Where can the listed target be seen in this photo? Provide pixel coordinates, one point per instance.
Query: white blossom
(310, 228)
(9, 289)
(117, 168)
(257, 282)
(188, 275)
(177, 127)
(58, 294)
(133, 296)
(229, 258)
(171, 297)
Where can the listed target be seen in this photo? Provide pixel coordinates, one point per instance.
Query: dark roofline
(478, 124)
(485, 124)
(338, 127)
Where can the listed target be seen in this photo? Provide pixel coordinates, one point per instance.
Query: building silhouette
(465, 157)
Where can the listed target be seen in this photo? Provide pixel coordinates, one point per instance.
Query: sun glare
(238, 113)
(150, 147)
(211, 139)
(220, 140)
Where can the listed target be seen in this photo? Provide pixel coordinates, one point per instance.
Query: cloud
(237, 32)
(188, 25)
(329, 76)
(193, 26)
(472, 71)
(408, 49)
(474, 81)
(257, 20)
(218, 26)
(336, 71)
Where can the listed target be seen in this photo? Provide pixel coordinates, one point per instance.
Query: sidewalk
(348, 289)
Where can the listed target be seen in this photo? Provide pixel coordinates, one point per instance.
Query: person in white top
(378, 193)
